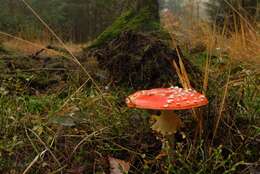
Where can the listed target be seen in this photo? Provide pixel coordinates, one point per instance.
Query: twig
(128, 150)
(42, 142)
(239, 14)
(34, 161)
(29, 42)
(33, 145)
(221, 107)
(35, 55)
(66, 102)
(85, 138)
(43, 69)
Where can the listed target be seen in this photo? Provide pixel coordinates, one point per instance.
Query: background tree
(77, 21)
(176, 6)
(223, 14)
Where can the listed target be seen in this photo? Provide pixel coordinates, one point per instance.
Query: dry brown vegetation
(242, 45)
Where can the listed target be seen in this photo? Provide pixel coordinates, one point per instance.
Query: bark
(143, 16)
(151, 5)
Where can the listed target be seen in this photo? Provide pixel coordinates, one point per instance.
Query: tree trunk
(151, 5)
(132, 50)
(142, 17)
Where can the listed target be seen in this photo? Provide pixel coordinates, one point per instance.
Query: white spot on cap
(166, 105)
(169, 101)
(172, 96)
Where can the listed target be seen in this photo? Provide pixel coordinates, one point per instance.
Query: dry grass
(246, 48)
(36, 45)
(21, 47)
(242, 45)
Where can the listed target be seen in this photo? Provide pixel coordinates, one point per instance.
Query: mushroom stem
(168, 123)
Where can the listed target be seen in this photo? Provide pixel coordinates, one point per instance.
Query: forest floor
(53, 119)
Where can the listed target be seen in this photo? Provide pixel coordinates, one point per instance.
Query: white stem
(168, 123)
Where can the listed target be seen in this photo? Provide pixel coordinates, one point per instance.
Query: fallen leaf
(118, 166)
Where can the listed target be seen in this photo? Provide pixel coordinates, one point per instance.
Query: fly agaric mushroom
(167, 100)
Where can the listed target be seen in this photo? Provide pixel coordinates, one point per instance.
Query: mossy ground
(69, 132)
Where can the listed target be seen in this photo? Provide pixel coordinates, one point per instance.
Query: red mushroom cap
(173, 98)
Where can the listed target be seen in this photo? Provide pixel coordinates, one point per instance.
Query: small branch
(47, 148)
(86, 138)
(34, 56)
(34, 161)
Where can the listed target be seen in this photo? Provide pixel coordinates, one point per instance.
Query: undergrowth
(62, 131)
(69, 131)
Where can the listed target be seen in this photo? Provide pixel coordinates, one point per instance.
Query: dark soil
(21, 74)
(141, 61)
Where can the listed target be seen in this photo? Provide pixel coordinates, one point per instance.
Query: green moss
(2, 49)
(130, 20)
